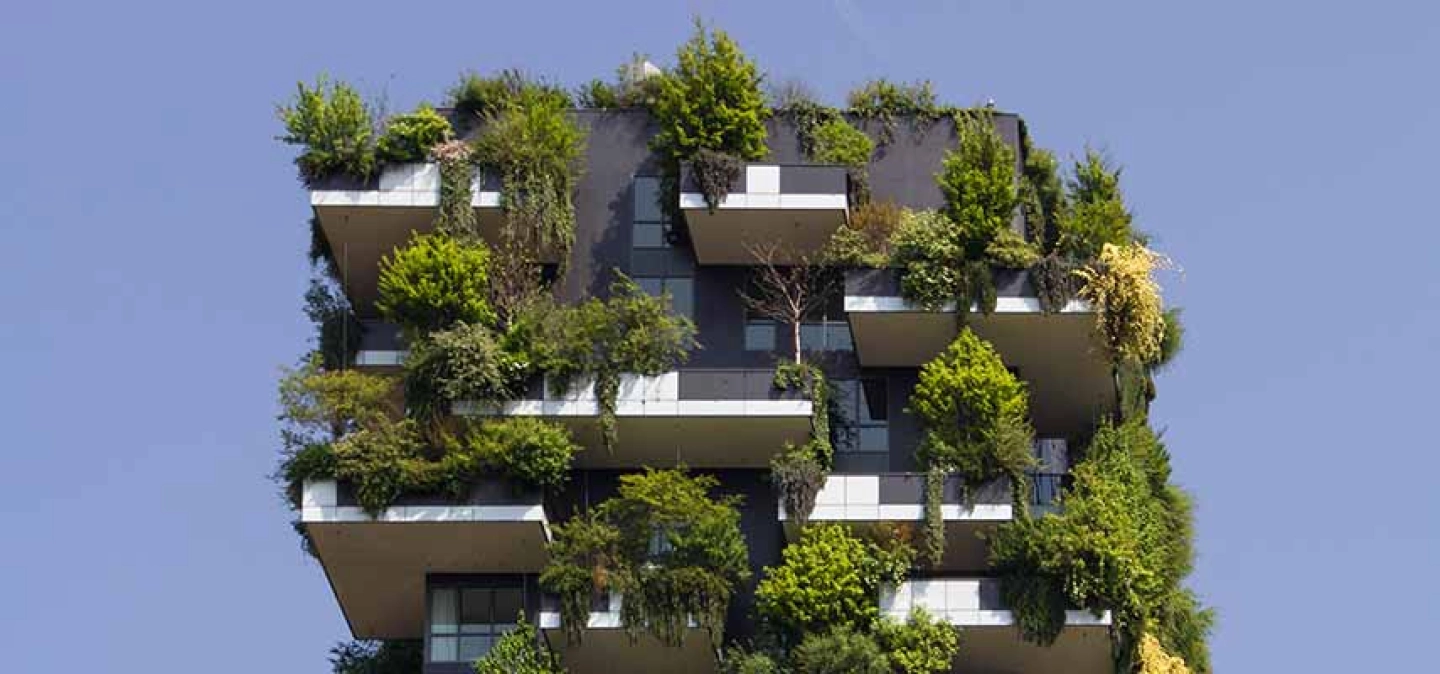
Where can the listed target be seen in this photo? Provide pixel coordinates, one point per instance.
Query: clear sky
(1282, 152)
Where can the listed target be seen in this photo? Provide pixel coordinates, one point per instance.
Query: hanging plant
(456, 214)
(715, 172)
(1130, 314)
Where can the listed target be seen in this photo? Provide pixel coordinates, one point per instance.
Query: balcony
(702, 418)
(605, 643)
(990, 642)
(377, 566)
(382, 347)
(794, 207)
(364, 222)
(1069, 380)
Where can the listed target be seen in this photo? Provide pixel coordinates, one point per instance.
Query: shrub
(1042, 195)
(409, 137)
(434, 282)
(978, 181)
(463, 362)
(840, 651)
(1130, 320)
(739, 661)
(1055, 282)
(715, 172)
(852, 569)
(519, 652)
(798, 477)
(455, 216)
(334, 125)
(921, 645)
(633, 88)
(837, 142)
(886, 101)
(1009, 250)
(1097, 214)
(380, 463)
(1154, 659)
(537, 149)
(864, 241)
(711, 100)
(319, 407)
(974, 411)
(529, 450)
(476, 97)
(935, 268)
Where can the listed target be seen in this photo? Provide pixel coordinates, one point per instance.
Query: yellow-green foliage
(711, 100)
(1130, 321)
(433, 282)
(1154, 659)
(830, 578)
(409, 137)
(333, 124)
(921, 645)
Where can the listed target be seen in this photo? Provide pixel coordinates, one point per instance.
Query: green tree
(519, 652)
(333, 124)
(711, 100)
(829, 578)
(530, 451)
(920, 645)
(462, 363)
(978, 181)
(377, 657)
(409, 137)
(840, 651)
(1097, 214)
(434, 282)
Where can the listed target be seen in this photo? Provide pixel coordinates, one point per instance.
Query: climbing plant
(887, 102)
(456, 215)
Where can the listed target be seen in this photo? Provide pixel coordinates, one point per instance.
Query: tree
(920, 645)
(711, 100)
(520, 651)
(433, 282)
(377, 657)
(840, 651)
(1097, 214)
(787, 294)
(830, 578)
(334, 125)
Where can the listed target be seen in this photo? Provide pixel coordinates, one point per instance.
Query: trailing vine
(456, 214)
(934, 550)
(715, 172)
(799, 472)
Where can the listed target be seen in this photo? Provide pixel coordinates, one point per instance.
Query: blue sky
(1281, 152)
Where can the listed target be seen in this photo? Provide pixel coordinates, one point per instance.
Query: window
(681, 290)
(656, 266)
(864, 415)
(650, 228)
(760, 335)
(466, 621)
(826, 335)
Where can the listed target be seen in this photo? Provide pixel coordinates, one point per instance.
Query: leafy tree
(830, 578)
(333, 124)
(519, 652)
(1042, 195)
(1097, 215)
(337, 331)
(476, 97)
(937, 268)
(462, 363)
(840, 651)
(409, 137)
(434, 282)
(711, 100)
(530, 451)
(921, 645)
(378, 657)
(978, 181)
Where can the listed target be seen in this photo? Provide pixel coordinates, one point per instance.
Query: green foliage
(711, 100)
(975, 413)
(1153, 659)
(476, 97)
(830, 578)
(337, 330)
(864, 240)
(1042, 195)
(1121, 543)
(317, 408)
(537, 149)
(409, 137)
(837, 142)
(921, 645)
(1173, 340)
(840, 651)
(715, 172)
(461, 363)
(531, 451)
(456, 215)
(886, 102)
(798, 477)
(630, 332)
(739, 661)
(978, 181)
(671, 548)
(1130, 319)
(378, 657)
(936, 268)
(334, 125)
(1097, 215)
(519, 652)
(934, 538)
(793, 376)
(1009, 250)
(434, 282)
(794, 101)
(1055, 282)
(633, 88)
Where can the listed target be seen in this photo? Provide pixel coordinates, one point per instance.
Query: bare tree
(787, 293)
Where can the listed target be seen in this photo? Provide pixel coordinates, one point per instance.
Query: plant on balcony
(333, 124)
(1153, 659)
(1130, 320)
(1121, 543)
(933, 551)
(378, 657)
(864, 240)
(531, 451)
(791, 600)
(461, 363)
(935, 269)
(434, 282)
(1009, 250)
(337, 331)
(671, 548)
(836, 141)
(842, 650)
(455, 216)
(799, 471)
(1055, 282)
(920, 645)
(787, 293)
(975, 414)
(711, 100)
(476, 97)
(409, 137)
(886, 102)
(739, 661)
(979, 183)
(633, 88)
(520, 651)
(714, 173)
(1042, 195)
(628, 333)
(1097, 214)
(537, 149)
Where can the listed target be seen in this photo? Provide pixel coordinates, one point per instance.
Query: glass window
(826, 335)
(863, 415)
(682, 292)
(651, 227)
(466, 622)
(759, 335)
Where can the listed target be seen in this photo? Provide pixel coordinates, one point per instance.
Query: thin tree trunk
(795, 339)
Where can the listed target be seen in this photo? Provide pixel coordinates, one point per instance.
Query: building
(453, 573)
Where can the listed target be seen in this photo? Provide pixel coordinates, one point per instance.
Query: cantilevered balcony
(702, 418)
(605, 647)
(382, 347)
(794, 208)
(364, 222)
(990, 641)
(377, 565)
(1069, 380)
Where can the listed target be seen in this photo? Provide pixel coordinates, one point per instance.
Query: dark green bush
(978, 181)
(334, 125)
(461, 363)
(864, 240)
(409, 137)
(476, 97)
(1009, 250)
(378, 657)
(531, 451)
(798, 477)
(434, 282)
(1097, 213)
(1055, 282)
(936, 267)
(715, 172)
(840, 651)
